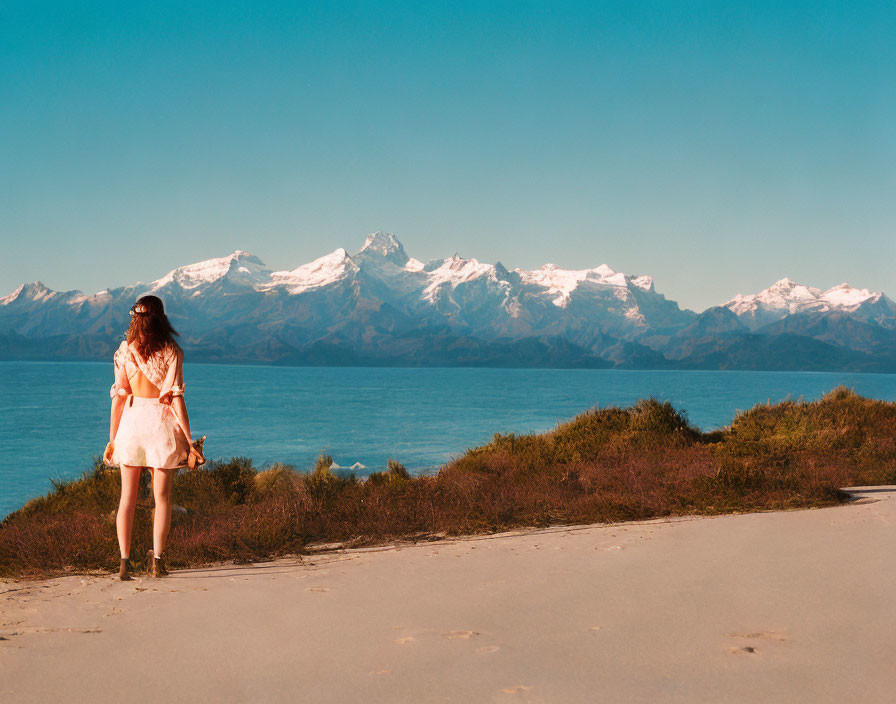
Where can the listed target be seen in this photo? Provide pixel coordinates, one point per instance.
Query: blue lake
(56, 414)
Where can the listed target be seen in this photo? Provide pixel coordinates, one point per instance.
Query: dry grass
(605, 465)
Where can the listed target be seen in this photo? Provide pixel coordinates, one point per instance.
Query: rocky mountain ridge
(379, 306)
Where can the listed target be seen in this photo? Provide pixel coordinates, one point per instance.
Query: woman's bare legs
(124, 520)
(162, 481)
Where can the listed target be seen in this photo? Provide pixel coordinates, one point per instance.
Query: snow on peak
(386, 246)
(241, 265)
(845, 296)
(786, 297)
(99, 297)
(791, 289)
(562, 282)
(322, 271)
(453, 271)
(643, 282)
(34, 291)
(9, 298)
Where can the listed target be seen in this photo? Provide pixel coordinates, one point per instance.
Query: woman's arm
(172, 392)
(180, 408)
(115, 418)
(119, 391)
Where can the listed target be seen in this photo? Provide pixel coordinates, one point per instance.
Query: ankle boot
(156, 565)
(124, 569)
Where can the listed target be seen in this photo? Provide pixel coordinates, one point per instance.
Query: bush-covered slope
(605, 465)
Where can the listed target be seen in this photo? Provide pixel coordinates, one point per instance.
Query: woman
(149, 426)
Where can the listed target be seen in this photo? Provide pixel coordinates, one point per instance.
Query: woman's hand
(107, 453)
(196, 458)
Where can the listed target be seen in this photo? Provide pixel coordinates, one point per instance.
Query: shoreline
(790, 605)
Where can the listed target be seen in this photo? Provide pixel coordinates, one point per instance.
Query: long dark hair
(150, 330)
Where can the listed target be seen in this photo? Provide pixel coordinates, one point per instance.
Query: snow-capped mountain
(238, 270)
(381, 306)
(321, 272)
(787, 297)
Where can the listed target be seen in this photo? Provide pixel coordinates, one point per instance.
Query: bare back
(158, 376)
(141, 386)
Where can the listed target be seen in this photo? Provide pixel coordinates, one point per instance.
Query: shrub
(605, 465)
(396, 471)
(278, 479)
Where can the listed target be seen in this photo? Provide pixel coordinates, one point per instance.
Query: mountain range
(379, 307)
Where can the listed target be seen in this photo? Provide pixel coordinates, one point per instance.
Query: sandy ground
(775, 607)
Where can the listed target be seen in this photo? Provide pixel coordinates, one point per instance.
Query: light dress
(150, 434)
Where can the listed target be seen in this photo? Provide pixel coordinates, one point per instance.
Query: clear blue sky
(716, 145)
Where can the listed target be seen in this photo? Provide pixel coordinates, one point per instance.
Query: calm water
(56, 414)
